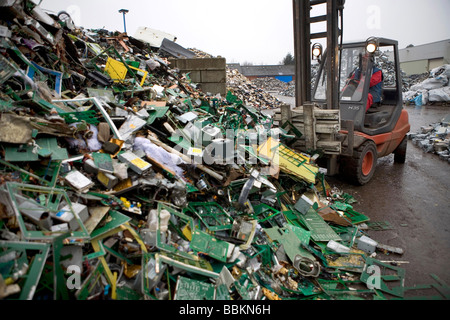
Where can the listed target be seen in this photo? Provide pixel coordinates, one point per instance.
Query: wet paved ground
(414, 198)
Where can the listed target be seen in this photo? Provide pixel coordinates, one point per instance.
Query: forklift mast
(302, 48)
(315, 134)
(348, 128)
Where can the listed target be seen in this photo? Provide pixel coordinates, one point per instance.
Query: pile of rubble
(413, 79)
(432, 87)
(120, 180)
(290, 90)
(250, 92)
(434, 138)
(270, 84)
(200, 54)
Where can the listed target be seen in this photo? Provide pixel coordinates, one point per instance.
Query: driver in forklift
(375, 86)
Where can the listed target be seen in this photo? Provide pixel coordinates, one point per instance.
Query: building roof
(265, 70)
(433, 50)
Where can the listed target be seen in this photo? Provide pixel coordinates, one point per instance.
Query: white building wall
(422, 58)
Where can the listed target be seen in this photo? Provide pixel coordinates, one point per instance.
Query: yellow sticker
(103, 178)
(116, 69)
(139, 163)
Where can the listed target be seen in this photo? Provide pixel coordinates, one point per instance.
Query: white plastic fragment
(367, 244)
(159, 154)
(337, 247)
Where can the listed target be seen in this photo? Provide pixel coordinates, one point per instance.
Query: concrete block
(214, 88)
(213, 76)
(196, 76)
(199, 64)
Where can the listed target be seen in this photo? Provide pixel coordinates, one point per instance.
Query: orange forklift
(365, 132)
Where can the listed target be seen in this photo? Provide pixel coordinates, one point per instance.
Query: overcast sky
(258, 31)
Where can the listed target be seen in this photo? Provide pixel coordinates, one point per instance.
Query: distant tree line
(288, 59)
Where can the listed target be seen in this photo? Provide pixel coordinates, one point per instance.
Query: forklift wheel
(360, 168)
(400, 152)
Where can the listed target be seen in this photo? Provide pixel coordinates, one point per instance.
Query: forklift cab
(381, 129)
(356, 67)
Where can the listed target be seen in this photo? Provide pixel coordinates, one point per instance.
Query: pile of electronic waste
(121, 180)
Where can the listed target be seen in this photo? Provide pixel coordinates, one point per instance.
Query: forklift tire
(360, 168)
(400, 152)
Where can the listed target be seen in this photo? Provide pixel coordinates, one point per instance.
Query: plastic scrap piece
(116, 69)
(28, 270)
(375, 275)
(137, 164)
(78, 181)
(288, 160)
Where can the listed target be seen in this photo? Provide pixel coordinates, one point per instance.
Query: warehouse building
(285, 73)
(423, 58)
(413, 60)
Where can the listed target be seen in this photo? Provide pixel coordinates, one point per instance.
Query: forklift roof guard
(353, 94)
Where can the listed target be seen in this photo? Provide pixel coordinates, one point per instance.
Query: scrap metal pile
(120, 180)
(289, 91)
(270, 84)
(434, 138)
(250, 92)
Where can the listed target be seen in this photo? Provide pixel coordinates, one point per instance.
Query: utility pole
(124, 12)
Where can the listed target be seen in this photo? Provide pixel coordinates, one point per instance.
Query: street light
(124, 12)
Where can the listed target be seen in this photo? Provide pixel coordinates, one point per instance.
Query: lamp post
(124, 12)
